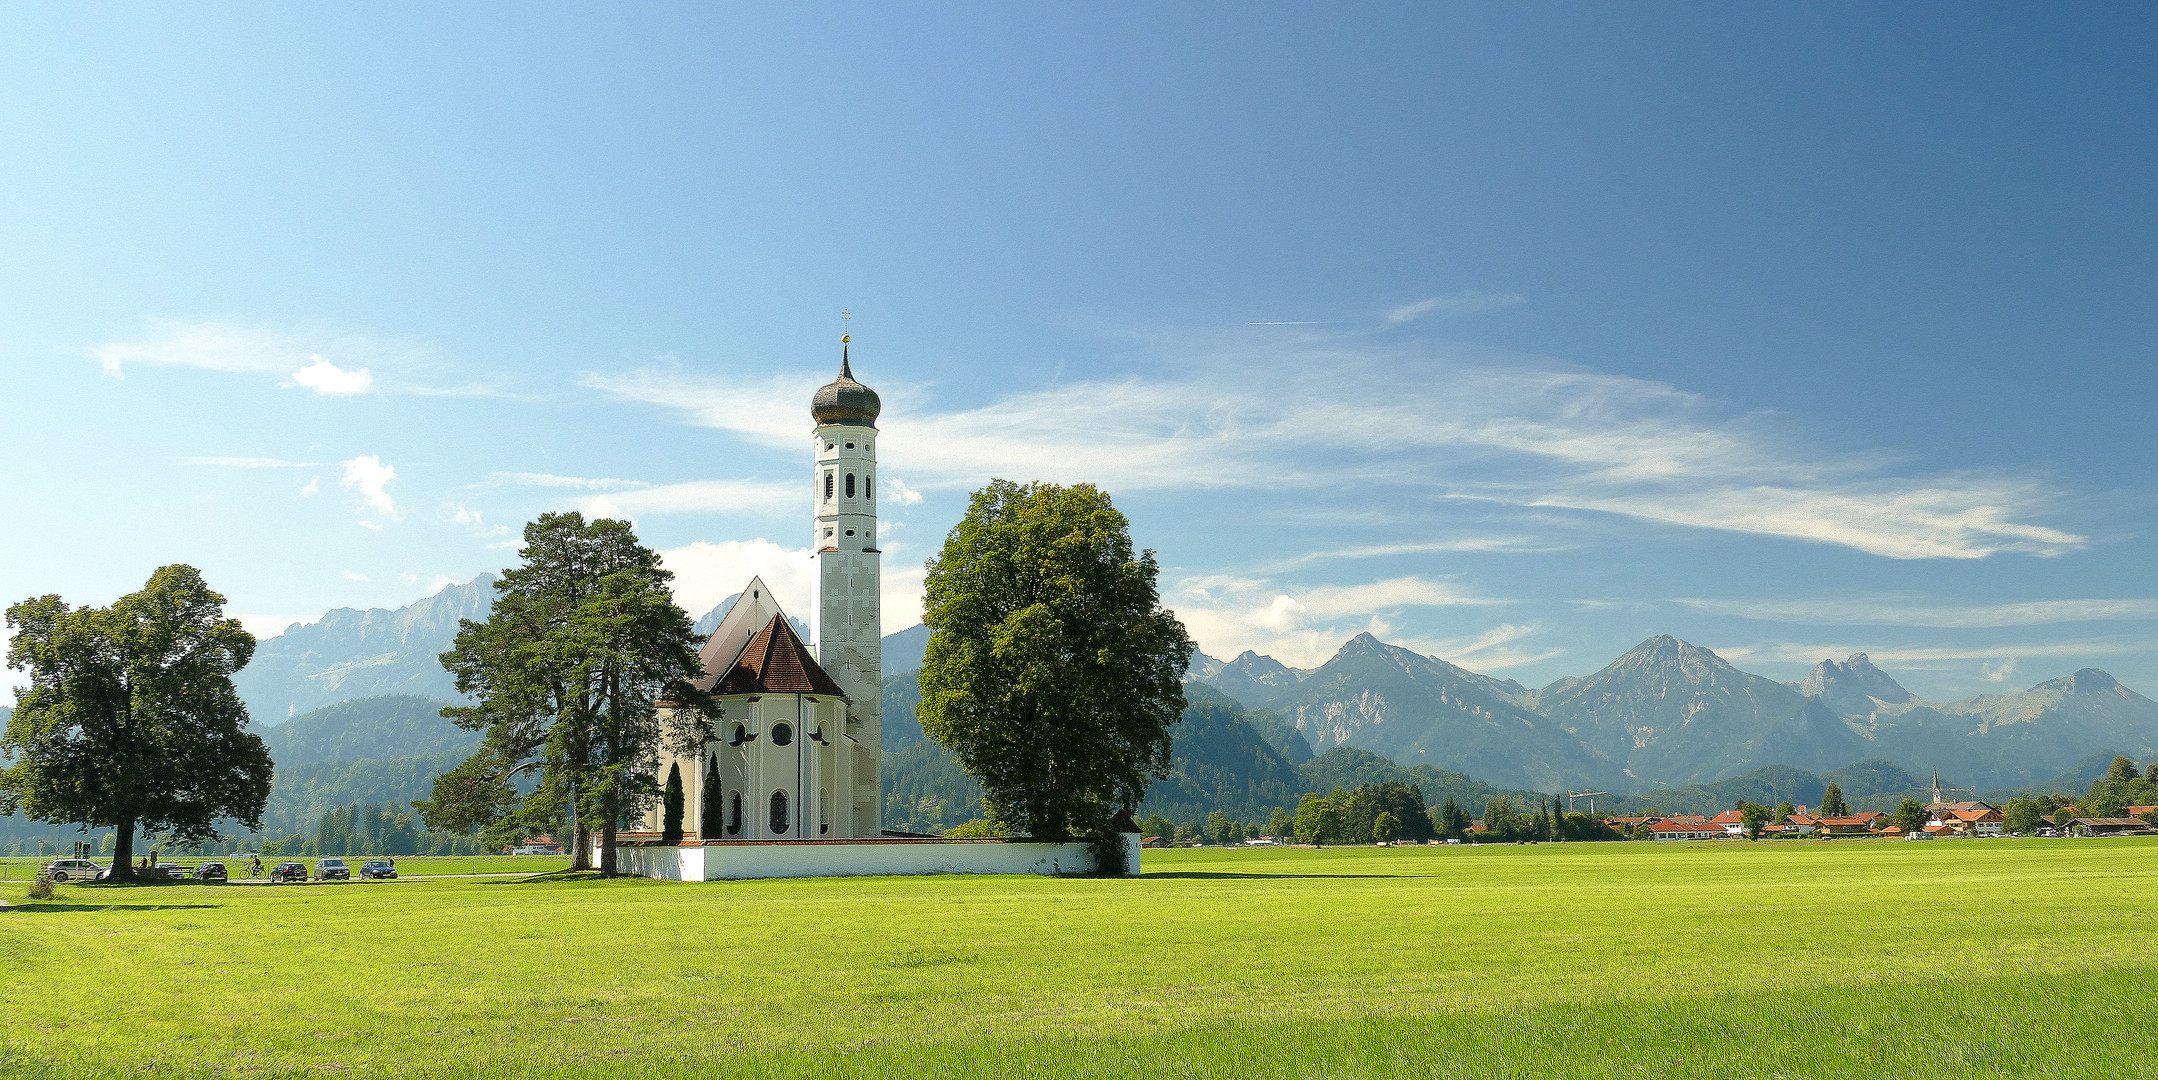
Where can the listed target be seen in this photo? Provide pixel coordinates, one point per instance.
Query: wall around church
(726, 862)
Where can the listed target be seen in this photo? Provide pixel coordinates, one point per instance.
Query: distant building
(2110, 826)
(1683, 830)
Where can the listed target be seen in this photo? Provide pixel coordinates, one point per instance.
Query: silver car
(75, 870)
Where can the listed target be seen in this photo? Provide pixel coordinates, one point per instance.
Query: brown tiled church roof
(776, 662)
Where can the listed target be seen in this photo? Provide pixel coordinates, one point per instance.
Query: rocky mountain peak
(1854, 687)
(2090, 680)
(1665, 658)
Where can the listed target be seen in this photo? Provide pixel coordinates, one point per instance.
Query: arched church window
(824, 811)
(827, 485)
(850, 485)
(869, 486)
(782, 734)
(778, 820)
(734, 814)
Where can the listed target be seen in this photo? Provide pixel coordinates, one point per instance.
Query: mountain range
(1669, 714)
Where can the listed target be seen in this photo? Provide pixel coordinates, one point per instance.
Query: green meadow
(1858, 959)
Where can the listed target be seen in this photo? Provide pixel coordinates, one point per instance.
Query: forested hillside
(394, 726)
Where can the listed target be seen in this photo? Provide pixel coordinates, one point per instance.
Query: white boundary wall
(857, 858)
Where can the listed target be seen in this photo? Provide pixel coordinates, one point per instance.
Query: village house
(1802, 823)
(1698, 829)
(2109, 826)
(1859, 824)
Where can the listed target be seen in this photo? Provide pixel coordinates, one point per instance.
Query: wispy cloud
(550, 480)
(1497, 649)
(1491, 544)
(327, 363)
(1815, 652)
(1460, 303)
(371, 478)
(1328, 412)
(249, 462)
(1903, 610)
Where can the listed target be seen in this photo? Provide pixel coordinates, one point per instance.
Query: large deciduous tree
(1052, 672)
(130, 719)
(570, 672)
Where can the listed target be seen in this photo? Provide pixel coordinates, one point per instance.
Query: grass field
(1865, 959)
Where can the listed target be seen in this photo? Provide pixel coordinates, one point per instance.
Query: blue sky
(1512, 333)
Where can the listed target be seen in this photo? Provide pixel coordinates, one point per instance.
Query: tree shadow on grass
(1226, 874)
(47, 905)
(555, 877)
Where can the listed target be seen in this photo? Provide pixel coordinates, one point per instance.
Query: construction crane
(1589, 795)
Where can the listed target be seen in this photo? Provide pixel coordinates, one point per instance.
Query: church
(802, 733)
(789, 785)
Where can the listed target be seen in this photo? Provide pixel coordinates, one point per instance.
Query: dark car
(209, 871)
(290, 871)
(379, 869)
(332, 870)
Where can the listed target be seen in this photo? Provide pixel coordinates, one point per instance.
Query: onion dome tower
(845, 620)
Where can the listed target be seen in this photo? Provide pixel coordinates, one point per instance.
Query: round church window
(782, 734)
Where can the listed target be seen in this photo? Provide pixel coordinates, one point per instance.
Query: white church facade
(790, 786)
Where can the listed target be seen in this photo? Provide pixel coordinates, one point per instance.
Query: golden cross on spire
(844, 336)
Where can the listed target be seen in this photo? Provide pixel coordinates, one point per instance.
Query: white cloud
(329, 380)
(698, 497)
(1903, 610)
(249, 462)
(312, 487)
(1452, 304)
(1300, 625)
(371, 478)
(897, 492)
(1999, 673)
(706, 572)
(269, 626)
(1328, 413)
(353, 575)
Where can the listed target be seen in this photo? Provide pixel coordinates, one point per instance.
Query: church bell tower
(845, 618)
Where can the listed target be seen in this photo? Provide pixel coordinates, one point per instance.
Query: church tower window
(824, 811)
(827, 485)
(778, 820)
(850, 485)
(782, 734)
(869, 486)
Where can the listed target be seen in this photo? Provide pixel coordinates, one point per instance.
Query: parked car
(289, 871)
(332, 870)
(75, 870)
(379, 869)
(169, 870)
(209, 871)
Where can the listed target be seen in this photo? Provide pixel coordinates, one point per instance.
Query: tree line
(1385, 812)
